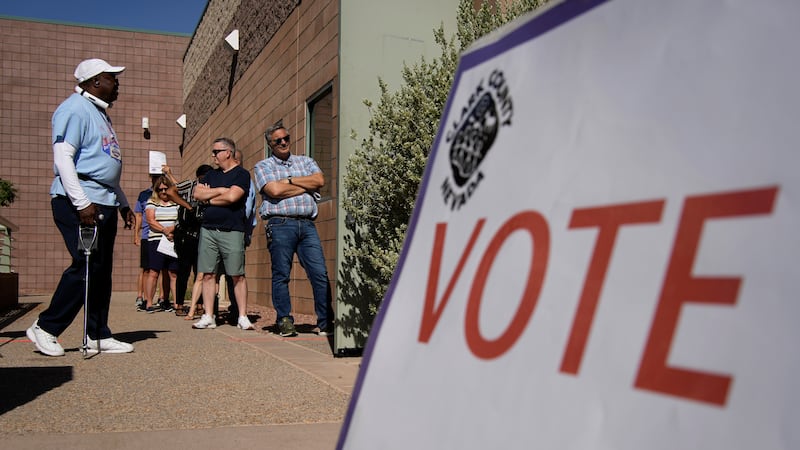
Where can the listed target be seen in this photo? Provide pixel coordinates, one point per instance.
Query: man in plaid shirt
(289, 186)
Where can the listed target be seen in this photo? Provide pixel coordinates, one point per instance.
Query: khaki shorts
(227, 246)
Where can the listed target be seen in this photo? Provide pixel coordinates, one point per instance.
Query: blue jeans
(68, 298)
(290, 236)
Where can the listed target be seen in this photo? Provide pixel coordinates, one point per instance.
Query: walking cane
(88, 242)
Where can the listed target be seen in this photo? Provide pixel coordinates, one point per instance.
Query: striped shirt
(166, 216)
(275, 169)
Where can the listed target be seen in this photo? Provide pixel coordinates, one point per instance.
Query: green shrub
(7, 192)
(383, 175)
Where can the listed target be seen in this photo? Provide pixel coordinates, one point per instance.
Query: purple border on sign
(535, 27)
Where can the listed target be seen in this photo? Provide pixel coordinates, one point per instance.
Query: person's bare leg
(173, 284)
(209, 287)
(197, 291)
(140, 286)
(151, 278)
(240, 289)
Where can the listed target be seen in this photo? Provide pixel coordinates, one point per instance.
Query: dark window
(320, 137)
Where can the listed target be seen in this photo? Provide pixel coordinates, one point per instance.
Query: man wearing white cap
(86, 191)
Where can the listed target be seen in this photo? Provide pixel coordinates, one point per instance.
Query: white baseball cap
(92, 67)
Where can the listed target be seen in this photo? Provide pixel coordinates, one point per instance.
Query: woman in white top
(162, 215)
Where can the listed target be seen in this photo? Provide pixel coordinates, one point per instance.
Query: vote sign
(603, 251)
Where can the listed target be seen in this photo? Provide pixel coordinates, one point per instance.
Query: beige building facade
(308, 63)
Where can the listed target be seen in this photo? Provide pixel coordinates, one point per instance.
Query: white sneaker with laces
(44, 341)
(245, 324)
(206, 321)
(108, 345)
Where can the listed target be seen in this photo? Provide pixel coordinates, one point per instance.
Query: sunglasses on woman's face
(162, 189)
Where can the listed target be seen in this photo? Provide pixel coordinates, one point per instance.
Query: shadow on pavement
(132, 337)
(20, 385)
(8, 316)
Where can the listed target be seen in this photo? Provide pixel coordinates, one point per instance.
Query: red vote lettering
(608, 219)
(536, 225)
(681, 287)
(431, 313)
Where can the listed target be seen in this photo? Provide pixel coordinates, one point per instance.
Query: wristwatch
(290, 179)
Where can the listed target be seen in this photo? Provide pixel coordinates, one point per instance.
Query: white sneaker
(206, 321)
(244, 323)
(108, 345)
(323, 332)
(44, 341)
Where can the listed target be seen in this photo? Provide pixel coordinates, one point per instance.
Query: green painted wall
(376, 37)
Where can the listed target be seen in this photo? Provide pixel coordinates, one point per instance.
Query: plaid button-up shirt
(274, 169)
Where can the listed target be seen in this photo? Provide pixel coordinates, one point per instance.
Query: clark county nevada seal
(471, 137)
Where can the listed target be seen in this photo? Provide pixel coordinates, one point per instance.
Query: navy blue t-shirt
(230, 217)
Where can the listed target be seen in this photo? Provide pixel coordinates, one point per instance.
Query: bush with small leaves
(384, 173)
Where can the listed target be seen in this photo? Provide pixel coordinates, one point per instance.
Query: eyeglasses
(215, 151)
(281, 140)
(162, 189)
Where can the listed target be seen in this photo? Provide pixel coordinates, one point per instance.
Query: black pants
(187, 262)
(233, 309)
(68, 297)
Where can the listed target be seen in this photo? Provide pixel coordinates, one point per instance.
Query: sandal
(181, 310)
(191, 314)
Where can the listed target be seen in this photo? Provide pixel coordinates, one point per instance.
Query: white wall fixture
(233, 40)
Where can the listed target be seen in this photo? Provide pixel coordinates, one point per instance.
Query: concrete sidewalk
(203, 389)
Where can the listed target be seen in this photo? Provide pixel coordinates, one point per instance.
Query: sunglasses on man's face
(215, 151)
(281, 140)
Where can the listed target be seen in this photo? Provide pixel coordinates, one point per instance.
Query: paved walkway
(203, 389)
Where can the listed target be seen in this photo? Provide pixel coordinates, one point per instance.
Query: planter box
(9, 291)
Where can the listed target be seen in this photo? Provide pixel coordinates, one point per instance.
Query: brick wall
(297, 57)
(38, 60)
(214, 22)
(210, 67)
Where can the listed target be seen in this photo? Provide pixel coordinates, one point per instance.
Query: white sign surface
(604, 251)
(157, 159)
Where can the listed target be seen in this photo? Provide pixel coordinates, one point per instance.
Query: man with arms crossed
(289, 186)
(224, 192)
